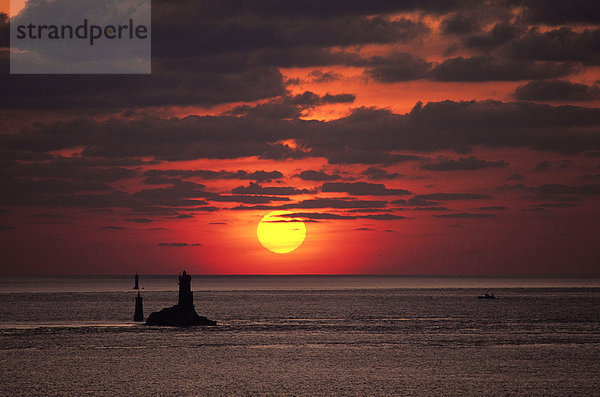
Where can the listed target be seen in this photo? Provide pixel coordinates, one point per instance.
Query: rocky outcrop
(178, 316)
(183, 313)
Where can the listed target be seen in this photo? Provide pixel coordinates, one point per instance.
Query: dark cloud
(487, 68)
(397, 67)
(547, 164)
(515, 177)
(258, 176)
(363, 229)
(5, 228)
(109, 93)
(382, 217)
(362, 189)
(337, 98)
(139, 220)
(560, 45)
(181, 194)
(336, 203)
(317, 176)
(459, 23)
(462, 164)
(114, 227)
(69, 170)
(556, 90)
(319, 76)
(417, 202)
(376, 173)
(494, 208)
(560, 189)
(328, 9)
(246, 199)
(561, 11)
(290, 107)
(322, 216)
(179, 245)
(255, 188)
(4, 30)
(46, 216)
(317, 216)
(366, 136)
(590, 177)
(452, 196)
(465, 215)
(431, 209)
(499, 34)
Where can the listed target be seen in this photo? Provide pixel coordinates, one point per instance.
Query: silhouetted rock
(183, 313)
(178, 316)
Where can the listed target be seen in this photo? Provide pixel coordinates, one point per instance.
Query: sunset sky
(411, 137)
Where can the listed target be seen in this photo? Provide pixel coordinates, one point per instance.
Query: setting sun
(280, 234)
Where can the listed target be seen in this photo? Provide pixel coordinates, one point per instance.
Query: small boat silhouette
(486, 296)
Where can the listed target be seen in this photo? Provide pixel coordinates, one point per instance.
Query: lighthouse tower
(139, 308)
(186, 296)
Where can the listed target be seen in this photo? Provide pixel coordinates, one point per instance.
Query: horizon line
(467, 275)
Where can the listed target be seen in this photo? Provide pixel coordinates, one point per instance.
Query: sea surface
(303, 336)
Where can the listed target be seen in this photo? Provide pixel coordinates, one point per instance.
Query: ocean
(303, 336)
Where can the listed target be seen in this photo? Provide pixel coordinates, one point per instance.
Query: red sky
(433, 137)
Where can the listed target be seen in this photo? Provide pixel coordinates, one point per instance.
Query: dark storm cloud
(462, 164)
(179, 245)
(487, 68)
(255, 188)
(317, 176)
(376, 173)
(560, 12)
(28, 191)
(590, 177)
(289, 107)
(556, 90)
(336, 203)
(319, 76)
(63, 170)
(547, 164)
(501, 33)
(321, 216)
(327, 9)
(382, 217)
(452, 196)
(258, 176)
(246, 199)
(4, 30)
(361, 189)
(139, 220)
(515, 177)
(109, 93)
(560, 45)
(366, 136)
(417, 202)
(560, 189)
(317, 216)
(459, 23)
(465, 215)
(397, 67)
